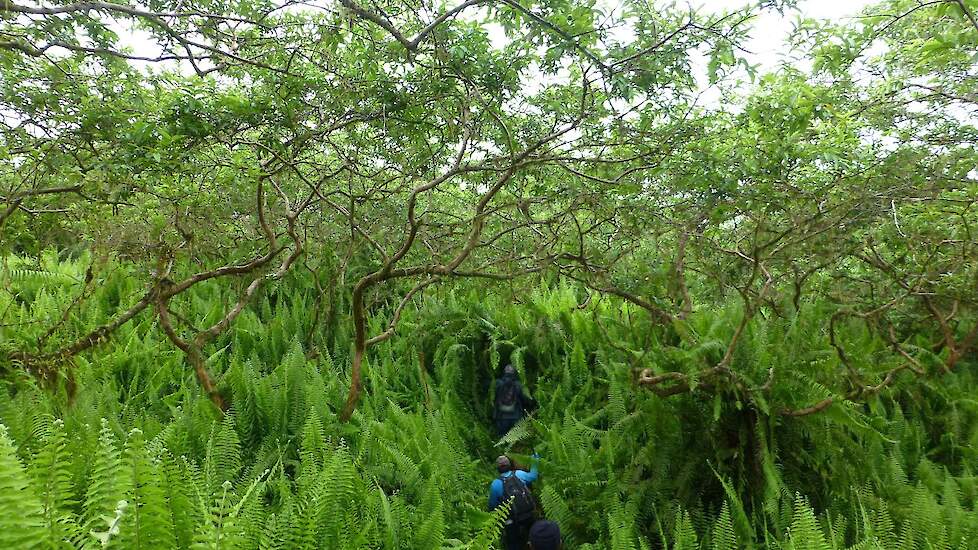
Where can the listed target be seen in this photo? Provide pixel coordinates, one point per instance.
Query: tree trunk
(359, 349)
(196, 360)
(355, 385)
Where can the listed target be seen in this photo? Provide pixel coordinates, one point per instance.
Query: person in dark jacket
(516, 530)
(511, 402)
(545, 535)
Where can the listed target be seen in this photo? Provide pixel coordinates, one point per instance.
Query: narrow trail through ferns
(136, 456)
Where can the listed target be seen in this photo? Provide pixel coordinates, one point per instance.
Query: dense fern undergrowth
(129, 453)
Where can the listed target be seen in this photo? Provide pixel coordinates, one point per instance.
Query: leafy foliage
(618, 471)
(262, 304)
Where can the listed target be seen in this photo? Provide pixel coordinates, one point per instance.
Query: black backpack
(522, 508)
(508, 396)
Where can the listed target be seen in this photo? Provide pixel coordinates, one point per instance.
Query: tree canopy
(399, 146)
(377, 152)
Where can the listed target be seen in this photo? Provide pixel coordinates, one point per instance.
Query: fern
(684, 536)
(21, 512)
(519, 432)
(218, 533)
(724, 535)
(491, 529)
(148, 523)
(223, 461)
(312, 454)
(51, 476)
(622, 465)
(621, 526)
(805, 533)
(431, 531)
(741, 523)
(113, 525)
(556, 509)
(337, 501)
(35, 279)
(182, 496)
(391, 536)
(106, 487)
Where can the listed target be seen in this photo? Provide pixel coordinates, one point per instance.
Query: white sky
(769, 33)
(770, 29)
(768, 36)
(768, 46)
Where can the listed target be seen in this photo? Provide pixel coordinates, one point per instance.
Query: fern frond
(223, 461)
(52, 478)
(805, 533)
(724, 535)
(21, 513)
(149, 523)
(106, 487)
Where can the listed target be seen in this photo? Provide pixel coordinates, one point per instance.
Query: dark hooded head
(509, 370)
(545, 535)
(504, 464)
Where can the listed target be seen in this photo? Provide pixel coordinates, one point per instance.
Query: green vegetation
(257, 275)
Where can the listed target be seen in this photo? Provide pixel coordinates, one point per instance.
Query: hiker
(511, 401)
(545, 535)
(513, 485)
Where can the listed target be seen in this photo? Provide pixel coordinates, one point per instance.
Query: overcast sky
(771, 29)
(769, 33)
(767, 44)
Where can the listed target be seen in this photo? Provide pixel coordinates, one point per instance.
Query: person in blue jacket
(513, 485)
